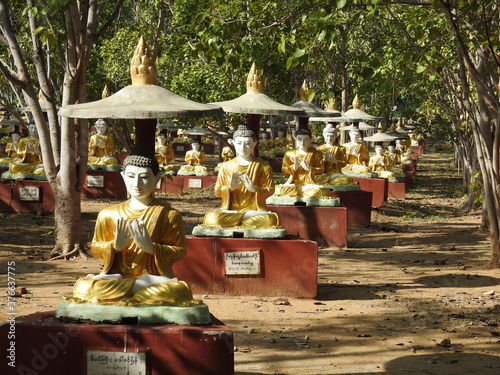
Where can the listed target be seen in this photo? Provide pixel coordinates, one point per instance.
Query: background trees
(434, 61)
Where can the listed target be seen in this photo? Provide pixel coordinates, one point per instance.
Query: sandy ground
(409, 295)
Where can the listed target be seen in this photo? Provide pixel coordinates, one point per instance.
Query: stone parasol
(143, 101)
(356, 114)
(380, 137)
(255, 103)
(311, 110)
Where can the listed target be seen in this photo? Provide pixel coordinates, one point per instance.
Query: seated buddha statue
(357, 154)
(227, 152)
(335, 158)
(394, 159)
(244, 183)
(263, 144)
(11, 150)
(138, 241)
(303, 164)
(404, 151)
(29, 156)
(101, 146)
(379, 163)
(164, 153)
(195, 160)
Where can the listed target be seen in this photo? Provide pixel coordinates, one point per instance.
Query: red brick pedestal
(419, 150)
(112, 185)
(286, 267)
(396, 190)
(44, 345)
(358, 204)
(26, 196)
(378, 186)
(325, 225)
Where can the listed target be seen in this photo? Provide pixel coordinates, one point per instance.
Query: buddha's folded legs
(261, 221)
(315, 192)
(222, 219)
(120, 292)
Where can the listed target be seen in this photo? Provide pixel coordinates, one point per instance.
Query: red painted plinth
(378, 186)
(397, 190)
(325, 225)
(12, 200)
(180, 184)
(410, 167)
(358, 204)
(287, 267)
(113, 185)
(44, 345)
(414, 157)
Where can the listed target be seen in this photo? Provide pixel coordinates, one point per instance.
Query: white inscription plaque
(242, 262)
(180, 148)
(115, 363)
(29, 193)
(95, 181)
(194, 183)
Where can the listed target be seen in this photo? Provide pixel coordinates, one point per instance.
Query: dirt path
(408, 296)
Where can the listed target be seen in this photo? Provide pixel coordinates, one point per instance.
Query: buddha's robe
(394, 163)
(333, 168)
(301, 182)
(241, 202)
(164, 154)
(99, 155)
(11, 153)
(357, 157)
(29, 162)
(166, 229)
(195, 161)
(380, 164)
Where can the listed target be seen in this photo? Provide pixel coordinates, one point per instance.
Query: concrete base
(361, 175)
(396, 190)
(202, 174)
(344, 187)
(14, 199)
(96, 167)
(378, 186)
(358, 205)
(88, 312)
(325, 225)
(112, 185)
(284, 267)
(43, 345)
(20, 176)
(179, 184)
(239, 233)
(310, 202)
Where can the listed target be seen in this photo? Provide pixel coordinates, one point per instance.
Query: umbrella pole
(145, 130)
(254, 125)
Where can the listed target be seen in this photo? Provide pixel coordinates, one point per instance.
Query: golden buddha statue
(11, 150)
(357, 154)
(227, 152)
(380, 164)
(404, 151)
(138, 240)
(101, 146)
(29, 156)
(263, 143)
(303, 164)
(164, 153)
(244, 183)
(394, 159)
(195, 160)
(335, 159)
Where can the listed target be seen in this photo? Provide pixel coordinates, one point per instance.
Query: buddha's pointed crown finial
(399, 122)
(393, 127)
(304, 90)
(332, 104)
(142, 67)
(380, 128)
(355, 103)
(254, 81)
(40, 95)
(105, 92)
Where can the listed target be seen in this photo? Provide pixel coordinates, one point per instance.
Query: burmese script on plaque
(115, 363)
(242, 262)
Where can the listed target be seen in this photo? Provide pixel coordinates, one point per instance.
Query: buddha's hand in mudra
(134, 229)
(247, 182)
(329, 156)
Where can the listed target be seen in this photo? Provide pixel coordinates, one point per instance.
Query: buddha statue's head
(330, 134)
(244, 141)
(263, 135)
(355, 135)
(140, 173)
(378, 150)
(195, 146)
(15, 136)
(280, 134)
(161, 138)
(391, 146)
(303, 139)
(33, 130)
(101, 127)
